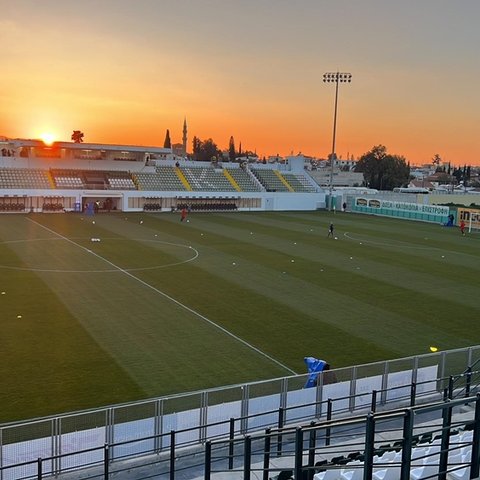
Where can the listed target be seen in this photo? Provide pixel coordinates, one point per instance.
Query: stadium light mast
(335, 77)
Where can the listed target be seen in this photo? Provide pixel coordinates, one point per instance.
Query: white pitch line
(180, 304)
(399, 243)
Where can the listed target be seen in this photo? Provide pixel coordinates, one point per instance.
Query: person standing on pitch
(184, 214)
(330, 230)
(462, 227)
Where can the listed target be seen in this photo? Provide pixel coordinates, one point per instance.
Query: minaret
(184, 138)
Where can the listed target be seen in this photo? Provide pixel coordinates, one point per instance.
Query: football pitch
(159, 306)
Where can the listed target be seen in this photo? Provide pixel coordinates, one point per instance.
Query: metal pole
(298, 452)
(407, 445)
(106, 461)
(39, 469)
(328, 430)
(332, 155)
(468, 381)
(280, 426)
(329, 78)
(208, 460)
(475, 466)
(374, 401)
(247, 458)
(369, 447)
(172, 454)
(413, 393)
(312, 442)
(445, 442)
(266, 454)
(230, 444)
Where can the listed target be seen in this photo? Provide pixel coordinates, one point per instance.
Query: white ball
(93, 222)
(188, 221)
(336, 238)
(293, 261)
(141, 221)
(233, 263)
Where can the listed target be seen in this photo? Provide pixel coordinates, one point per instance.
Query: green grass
(99, 325)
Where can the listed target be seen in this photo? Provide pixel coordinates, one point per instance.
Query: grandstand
(82, 173)
(419, 423)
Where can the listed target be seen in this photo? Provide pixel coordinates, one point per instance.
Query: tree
(382, 170)
(436, 160)
(77, 136)
(195, 146)
(204, 151)
(167, 143)
(231, 150)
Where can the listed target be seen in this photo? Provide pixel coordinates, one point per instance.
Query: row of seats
(121, 184)
(208, 206)
(299, 183)
(425, 458)
(244, 180)
(152, 207)
(165, 178)
(12, 207)
(52, 207)
(68, 182)
(23, 178)
(207, 178)
(270, 180)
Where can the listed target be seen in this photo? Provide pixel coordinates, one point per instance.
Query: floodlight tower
(335, 77)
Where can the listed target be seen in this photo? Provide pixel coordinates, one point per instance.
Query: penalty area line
(168, 297)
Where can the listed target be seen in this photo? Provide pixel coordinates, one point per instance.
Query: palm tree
(77, 136)
(436, 160)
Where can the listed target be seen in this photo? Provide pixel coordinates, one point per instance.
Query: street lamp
(335, 77)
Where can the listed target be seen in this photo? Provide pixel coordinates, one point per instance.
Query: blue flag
(314, 367)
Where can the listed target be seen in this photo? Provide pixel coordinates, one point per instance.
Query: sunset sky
(123, 71)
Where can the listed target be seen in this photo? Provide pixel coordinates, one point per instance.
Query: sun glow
(47, 138)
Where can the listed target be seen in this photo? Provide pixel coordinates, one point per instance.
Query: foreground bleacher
(343, 426)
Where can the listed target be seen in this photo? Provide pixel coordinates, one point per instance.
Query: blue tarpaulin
(314, 367)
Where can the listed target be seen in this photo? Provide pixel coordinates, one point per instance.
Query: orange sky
(124, 71)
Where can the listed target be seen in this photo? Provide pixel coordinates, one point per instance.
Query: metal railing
(152, 428)
(254, 453)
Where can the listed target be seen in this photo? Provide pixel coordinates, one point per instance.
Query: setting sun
(47, 138)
